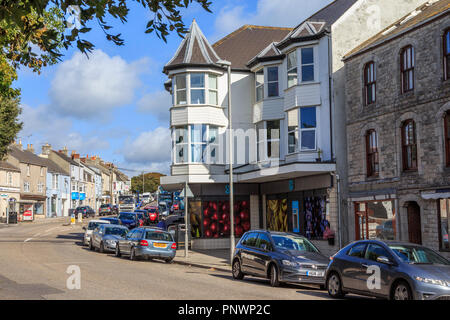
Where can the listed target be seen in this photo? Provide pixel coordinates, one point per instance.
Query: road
(34, 259)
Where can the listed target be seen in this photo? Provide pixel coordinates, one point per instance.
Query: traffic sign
(189, 193)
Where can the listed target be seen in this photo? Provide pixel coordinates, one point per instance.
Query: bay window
(197, 88)
(292, 131)
(292, 68)
(259, 85)
(268, 139)
(307, 64)
(180, 89)
(198, 143)
(181, 145)
(308, 128)
(272, 81)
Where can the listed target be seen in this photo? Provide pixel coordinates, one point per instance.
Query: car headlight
(290, 263)
(433, 281)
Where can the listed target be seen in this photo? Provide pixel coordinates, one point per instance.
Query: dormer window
(259, 83)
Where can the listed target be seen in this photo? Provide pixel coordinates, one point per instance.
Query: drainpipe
(338, 182)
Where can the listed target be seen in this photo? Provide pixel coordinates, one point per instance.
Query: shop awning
(32, 197)
(436, 194)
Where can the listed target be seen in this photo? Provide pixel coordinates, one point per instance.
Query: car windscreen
(418, 255)
(293, 243)
(116, 231)
(158, 236)
(127, 216)
(92, 225)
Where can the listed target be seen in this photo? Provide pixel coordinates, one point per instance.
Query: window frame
(446, 55)
(259, 86)
(294, 131)
(9, 178)
(301, 130)
(185, 90)
(184, 144)
(406, 71)
(406, 146)
(26, 186)
(446, 119)
(370, 83)
(372, 155)
(291, 68)
(191, 89)
(302, 65)
(269, 82)
(212, 90)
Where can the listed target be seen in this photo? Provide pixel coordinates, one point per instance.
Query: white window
(40, 187)
(197, 88)
(272, 82)
(213, 144)
(268, 140)
(180, 89)
(28, 170)
(292, 130)
(259, 84)
(55, 178)
(292, 68)
(181, 143)
(307, 63)
(42, 171)
(26, 187)
(10, 178)
(213, 92)
(198, 142)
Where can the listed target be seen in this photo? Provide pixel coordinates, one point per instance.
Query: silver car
(105, 237)
(90, 228)
(389, 269)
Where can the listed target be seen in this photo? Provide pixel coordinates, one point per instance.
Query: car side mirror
(384, 260)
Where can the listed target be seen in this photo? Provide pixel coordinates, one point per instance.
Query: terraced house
(288, 102)
(398, 130)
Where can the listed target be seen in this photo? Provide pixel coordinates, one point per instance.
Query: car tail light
(174, 246)
(144, 243)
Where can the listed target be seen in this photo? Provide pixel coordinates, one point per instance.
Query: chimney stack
(46, 148)
(30, 148)
(64, 151)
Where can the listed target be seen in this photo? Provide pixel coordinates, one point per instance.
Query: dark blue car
(131, 219)
(111, 220)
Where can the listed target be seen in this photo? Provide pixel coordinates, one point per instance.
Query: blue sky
(114, 104)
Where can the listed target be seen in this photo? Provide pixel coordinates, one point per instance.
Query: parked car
(407, 271)
(86, 211)
(128, 219)
(112, 220)
(105, 209)
(147, 242)
(115, 209)
(105, 237)
(173, 220)
(90, 228)
(280, 257)
(151, 214)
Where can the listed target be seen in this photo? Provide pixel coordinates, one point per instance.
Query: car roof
(387, 242)
(115, 225)
(99, 221)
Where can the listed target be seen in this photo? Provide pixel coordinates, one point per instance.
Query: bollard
(72, 219)
(80, 217)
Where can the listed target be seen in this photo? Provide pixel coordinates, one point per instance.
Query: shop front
(8, 198)
(31, 207)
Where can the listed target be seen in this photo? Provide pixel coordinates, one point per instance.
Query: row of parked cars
(378, 268)
(133, 234)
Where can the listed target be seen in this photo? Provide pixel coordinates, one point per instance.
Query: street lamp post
(227, 64)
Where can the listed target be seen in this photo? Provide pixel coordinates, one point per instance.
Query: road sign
(189, 192)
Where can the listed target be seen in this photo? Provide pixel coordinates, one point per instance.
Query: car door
(246, 253)
(262, 254)
(125, 244)
(95, 236)
(352, 269)
(372, 266)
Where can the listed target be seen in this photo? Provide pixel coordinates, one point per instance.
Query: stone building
(398, 130)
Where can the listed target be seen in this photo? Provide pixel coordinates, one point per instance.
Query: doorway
(414, 222)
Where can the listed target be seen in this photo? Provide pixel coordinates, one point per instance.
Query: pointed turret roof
(194, 50)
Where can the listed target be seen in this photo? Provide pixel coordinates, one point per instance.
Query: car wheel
(274, 277)
(117, 253)
(237, 272)
(91, 246)
(133, 254)
(334, 286)
(401, 291)
(102, 248)
(169, 260)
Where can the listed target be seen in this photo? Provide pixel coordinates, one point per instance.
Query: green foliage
(152, 182)
(32, 32)
(9, 124)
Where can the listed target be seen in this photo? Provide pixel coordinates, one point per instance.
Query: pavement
(218, 259)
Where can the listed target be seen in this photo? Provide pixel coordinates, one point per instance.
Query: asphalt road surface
(34, 259)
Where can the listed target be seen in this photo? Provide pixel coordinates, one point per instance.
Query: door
(125, 244)
(414, 223)
(262, 254)
(247, 253)
(352, 266)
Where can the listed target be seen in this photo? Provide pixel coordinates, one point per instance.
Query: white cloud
(151, 150)
(86, 88)
(276, 13)
(156, 103)
(41, 126)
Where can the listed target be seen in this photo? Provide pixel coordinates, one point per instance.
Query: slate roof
(270, 53)
(8, 166)
(66, 158)
(242, 45)
(52, 167)
(193, 50)
(422, 14)
(26, 156)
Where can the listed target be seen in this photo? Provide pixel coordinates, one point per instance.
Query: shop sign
(28, 212)
(75, 195)
(82, 196)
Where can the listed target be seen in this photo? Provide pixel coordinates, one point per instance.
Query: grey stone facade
(426, 105)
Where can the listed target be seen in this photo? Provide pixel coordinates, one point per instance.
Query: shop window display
(216, 218)
(315, 217)
(277, 217)
(375, 220)
(195, 212)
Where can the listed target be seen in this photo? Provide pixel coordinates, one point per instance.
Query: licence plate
(160, 245)
(315, 273)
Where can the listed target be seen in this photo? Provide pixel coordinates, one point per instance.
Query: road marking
(28, 239)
